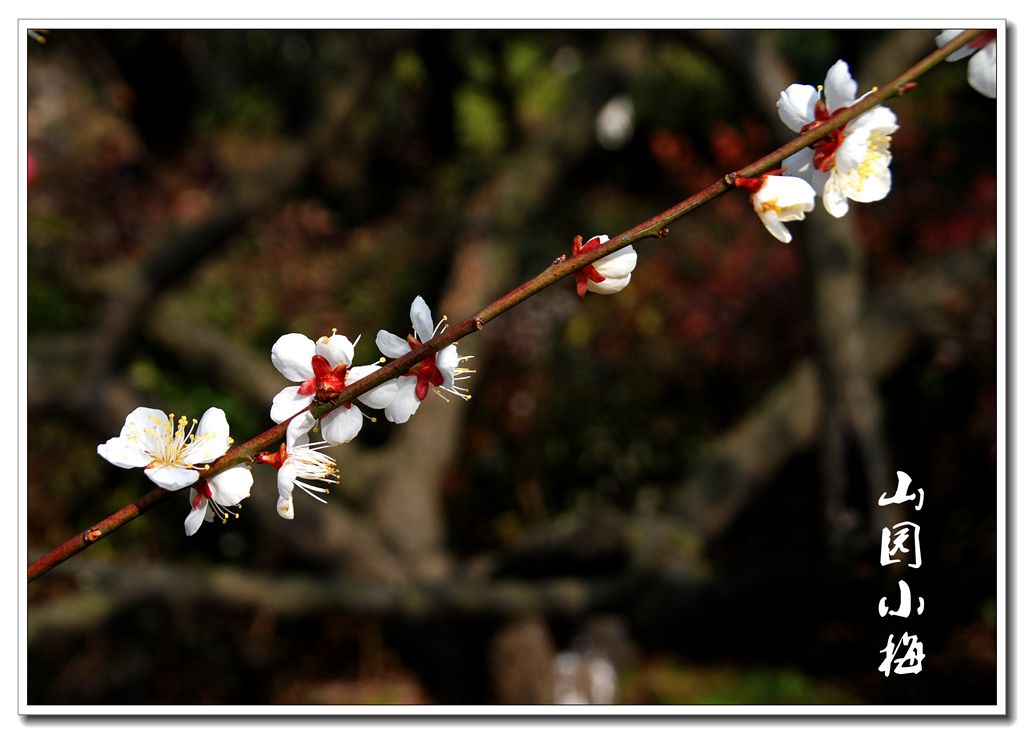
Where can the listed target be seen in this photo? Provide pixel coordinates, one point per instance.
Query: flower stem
(654, 227)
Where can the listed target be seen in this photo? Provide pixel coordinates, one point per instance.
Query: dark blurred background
(665, 496)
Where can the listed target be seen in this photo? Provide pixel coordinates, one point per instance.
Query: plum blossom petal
(982, 70)
(609, 285)
(211, 438)
(299, 426)
(607, 275)
(286, 482)
(405, 404)
(801, 165)
(449, 364)
(796, 105)
(337, 349)
(422, 321)
(215, 495)
(195, 517)
(231, 486)
(448, 361)
(618, 264)
(834, 199)
(300, 464)
(168, 450)
(391, 345)
(292, 354)
(341, 425)
(840, 88)
(379, 397)
(285, 508)
(287, 403)
(782, 199)
(172, 478)
(123, 453)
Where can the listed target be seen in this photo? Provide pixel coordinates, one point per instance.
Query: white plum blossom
(849, 163)
(442, 370)
(323, 369)
(300, 464)
(778, 199)
(610, 274)
(169, 451)
(981, 69)
(211, 498)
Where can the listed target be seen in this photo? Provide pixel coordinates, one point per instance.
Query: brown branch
(97, 532)
(654, 227)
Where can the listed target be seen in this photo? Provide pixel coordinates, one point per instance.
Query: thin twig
(654, 227)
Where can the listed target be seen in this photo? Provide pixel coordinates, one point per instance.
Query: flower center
(874, 160)
(825, 149)
(169, 444)
(425, 372)
(327, 382)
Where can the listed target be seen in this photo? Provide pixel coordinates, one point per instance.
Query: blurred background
(665, 496)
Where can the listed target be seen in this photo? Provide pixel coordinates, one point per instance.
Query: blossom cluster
(174, 452)
(850, 163)
(981, 69)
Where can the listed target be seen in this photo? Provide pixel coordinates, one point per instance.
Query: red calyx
(202, 490)
(326, 382)
(275, 458)
(425, 372)
(983, 40)
(825, 149)
(753, 185)
(588, 272)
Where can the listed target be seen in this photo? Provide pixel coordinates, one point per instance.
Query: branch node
(478, 323)
(661, 233)
(92, 535)
(559, 259)
(904, 88)
(730, 178)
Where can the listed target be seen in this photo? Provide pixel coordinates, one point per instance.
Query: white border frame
(999, 709)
